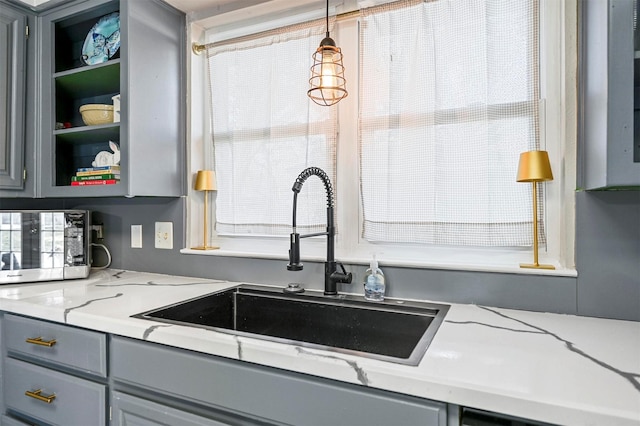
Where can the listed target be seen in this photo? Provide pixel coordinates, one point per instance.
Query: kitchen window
(266, 131)
(443, 97)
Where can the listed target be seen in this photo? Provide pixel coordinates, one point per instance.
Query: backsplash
(607, 259)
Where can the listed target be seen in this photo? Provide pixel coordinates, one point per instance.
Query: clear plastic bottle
(374, 286)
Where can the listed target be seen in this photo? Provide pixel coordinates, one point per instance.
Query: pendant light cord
(327, 18)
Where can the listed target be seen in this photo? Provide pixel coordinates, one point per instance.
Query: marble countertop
(554, 368)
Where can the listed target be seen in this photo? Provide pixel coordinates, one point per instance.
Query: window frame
(558, 123)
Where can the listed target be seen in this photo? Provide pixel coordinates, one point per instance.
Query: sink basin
(393, 330)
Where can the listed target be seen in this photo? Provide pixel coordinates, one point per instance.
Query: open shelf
(75, 84)
(151, 89)
(74, 154)
(71, 33)
(77, 134)
(87, 81)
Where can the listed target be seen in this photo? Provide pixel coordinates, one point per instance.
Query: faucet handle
(346, 276)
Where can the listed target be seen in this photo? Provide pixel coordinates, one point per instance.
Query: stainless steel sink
(394, 330)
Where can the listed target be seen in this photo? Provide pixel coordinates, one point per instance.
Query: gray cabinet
(13, 46)
(127, 410)
(237, 392)
(2, 357)
(147, 72)
(608, 149)
(54, 374)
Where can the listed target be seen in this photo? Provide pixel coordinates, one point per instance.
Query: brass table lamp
(206, 181)
(534, 167)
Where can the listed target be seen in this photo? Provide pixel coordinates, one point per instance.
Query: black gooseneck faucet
(331, 274)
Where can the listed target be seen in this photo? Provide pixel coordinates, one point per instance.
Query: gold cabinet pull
(39, 341)
(36, 394)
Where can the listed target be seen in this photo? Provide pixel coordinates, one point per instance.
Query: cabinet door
(13, 43)
(2, 356)
(247, 390)
(127, 410)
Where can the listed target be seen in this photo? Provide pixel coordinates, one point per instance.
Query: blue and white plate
(103, 41)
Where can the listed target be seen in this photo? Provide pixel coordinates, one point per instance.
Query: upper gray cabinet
(147, 71)
(13, 45)
(609, 151)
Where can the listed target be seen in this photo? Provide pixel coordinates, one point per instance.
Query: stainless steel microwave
(44, 245)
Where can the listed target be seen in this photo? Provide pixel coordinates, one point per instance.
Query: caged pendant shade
(328, 85)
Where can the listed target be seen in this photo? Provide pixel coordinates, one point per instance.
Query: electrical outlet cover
(136, 236)
(164, 235)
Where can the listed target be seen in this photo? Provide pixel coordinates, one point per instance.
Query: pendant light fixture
(328, 86)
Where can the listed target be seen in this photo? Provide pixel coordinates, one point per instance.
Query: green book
(95, 177)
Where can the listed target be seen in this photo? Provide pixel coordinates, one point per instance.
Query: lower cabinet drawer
(129, 410)
(52, 397)
(70, 347)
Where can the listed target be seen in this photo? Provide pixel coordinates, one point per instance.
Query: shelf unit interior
(76, 84)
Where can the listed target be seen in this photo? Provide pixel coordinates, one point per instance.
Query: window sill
(496, 261)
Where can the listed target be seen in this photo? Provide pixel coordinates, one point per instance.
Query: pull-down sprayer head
(294, 253)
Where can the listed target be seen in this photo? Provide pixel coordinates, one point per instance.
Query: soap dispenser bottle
(374, 285)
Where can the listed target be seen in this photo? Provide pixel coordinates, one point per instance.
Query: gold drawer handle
(39, 341)
(36, 394)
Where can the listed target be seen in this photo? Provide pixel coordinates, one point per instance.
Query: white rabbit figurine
(104, 158)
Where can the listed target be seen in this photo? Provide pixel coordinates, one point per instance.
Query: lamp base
(205, 248)
(536, 266)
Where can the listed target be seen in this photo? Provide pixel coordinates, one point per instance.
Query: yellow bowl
(93, 114)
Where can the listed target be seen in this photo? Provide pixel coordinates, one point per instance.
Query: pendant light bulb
(328, 72)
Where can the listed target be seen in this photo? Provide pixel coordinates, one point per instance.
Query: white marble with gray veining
(557, 368)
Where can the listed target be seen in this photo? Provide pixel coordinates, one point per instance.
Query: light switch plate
(164, 235)
(136, 236)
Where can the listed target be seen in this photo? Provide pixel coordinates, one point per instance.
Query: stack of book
(106, 175)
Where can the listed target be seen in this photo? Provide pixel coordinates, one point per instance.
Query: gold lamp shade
(206, 181)
(534, 167)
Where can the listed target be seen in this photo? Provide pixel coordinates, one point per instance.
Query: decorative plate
(103, 40)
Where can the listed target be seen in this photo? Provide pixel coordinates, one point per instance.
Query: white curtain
(266, 131)
(449, 98)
